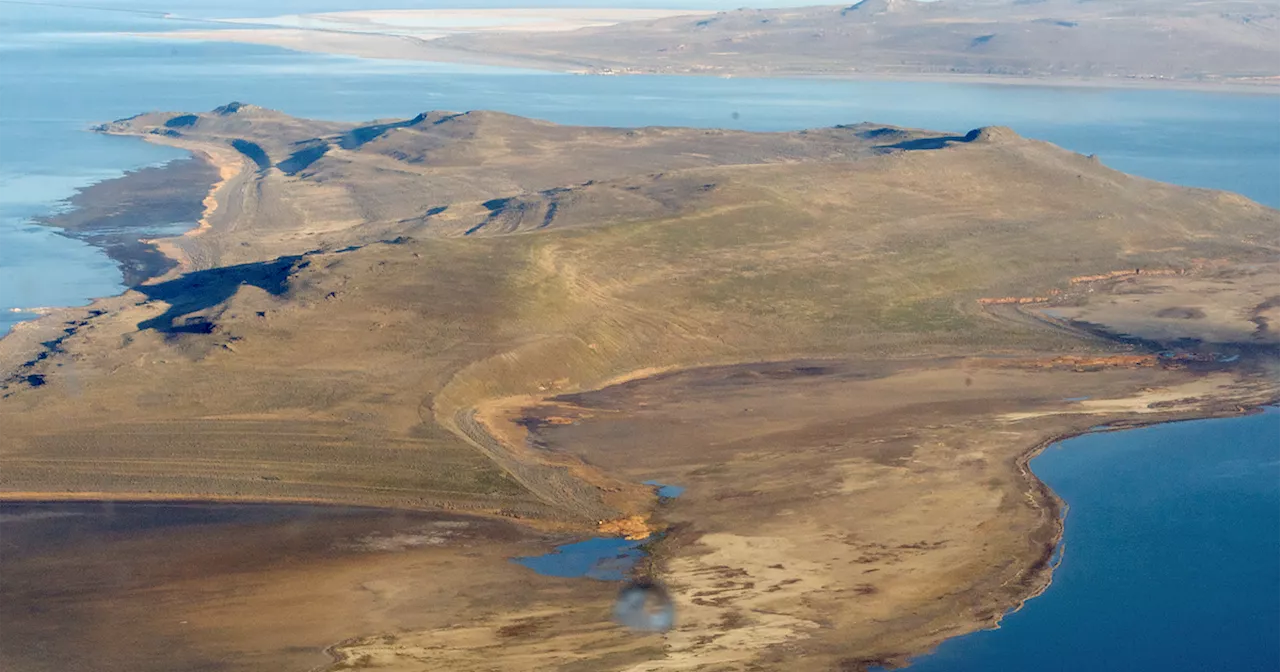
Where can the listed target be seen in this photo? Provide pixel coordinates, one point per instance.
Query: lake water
(600, 558)
(62, 70)
(1171, 559)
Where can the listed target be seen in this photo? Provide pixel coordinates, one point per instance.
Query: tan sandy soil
(230, 164)
(874, 493)
(1235, 305)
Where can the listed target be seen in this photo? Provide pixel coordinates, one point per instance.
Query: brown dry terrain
(1154, 42)
(444, 313)
(157, 587)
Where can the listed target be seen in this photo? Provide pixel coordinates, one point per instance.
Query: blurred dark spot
(646, 606)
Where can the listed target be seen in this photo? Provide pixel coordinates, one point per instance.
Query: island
(844, 343)
(1151, 43)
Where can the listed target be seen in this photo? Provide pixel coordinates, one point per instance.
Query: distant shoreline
(1259, 89)
(409, 49)
(568, 41)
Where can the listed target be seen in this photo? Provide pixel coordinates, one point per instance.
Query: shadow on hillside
(254, 151)
(932, 143)
(303, 158)
(201, 290)
(358, 137)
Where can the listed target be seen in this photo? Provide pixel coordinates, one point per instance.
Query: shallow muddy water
(143, 587)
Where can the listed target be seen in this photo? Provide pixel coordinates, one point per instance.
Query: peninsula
(844, 342)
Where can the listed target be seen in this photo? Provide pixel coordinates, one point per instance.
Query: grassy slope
(357, 382)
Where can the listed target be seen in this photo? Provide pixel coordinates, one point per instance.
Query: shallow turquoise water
(1171, 559)
(61, 73)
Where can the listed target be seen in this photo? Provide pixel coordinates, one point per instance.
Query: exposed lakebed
(117, 215)
(151, 587)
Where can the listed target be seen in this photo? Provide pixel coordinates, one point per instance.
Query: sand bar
(419, 24)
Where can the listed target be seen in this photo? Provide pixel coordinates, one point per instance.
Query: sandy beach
(408, 34)
(403, 34)
(229, 164)
(424, 23)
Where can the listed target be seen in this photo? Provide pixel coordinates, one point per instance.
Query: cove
(1169, 557)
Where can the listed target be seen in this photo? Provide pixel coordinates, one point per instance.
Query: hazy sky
(244, 8)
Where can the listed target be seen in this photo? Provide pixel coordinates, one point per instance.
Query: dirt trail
(565, 486)
(230, 164)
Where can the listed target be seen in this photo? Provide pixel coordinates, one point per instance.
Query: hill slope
(400, 318)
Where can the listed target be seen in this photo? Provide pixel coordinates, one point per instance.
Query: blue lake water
(666, 491)
(601, 558)
(1171, 559)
